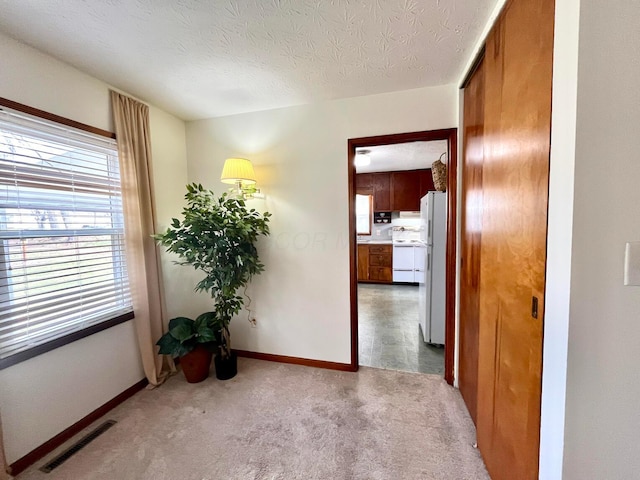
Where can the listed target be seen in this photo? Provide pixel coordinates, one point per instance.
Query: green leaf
(206, 335)
(184, 349)
(207, 318)
(170, 346)
(179, 321)
(182, 329)
(183, 333)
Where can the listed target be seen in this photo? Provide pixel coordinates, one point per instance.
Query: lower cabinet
(363, 263)
(374, 263)
(388, 264)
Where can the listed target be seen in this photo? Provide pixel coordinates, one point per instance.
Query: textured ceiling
(403, 156)
(200, 59)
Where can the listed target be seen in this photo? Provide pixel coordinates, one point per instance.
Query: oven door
(403, 268)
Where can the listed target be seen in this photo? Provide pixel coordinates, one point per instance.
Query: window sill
(62, 341)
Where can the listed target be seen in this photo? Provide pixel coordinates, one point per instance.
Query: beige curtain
(3, 461)
(143, 260)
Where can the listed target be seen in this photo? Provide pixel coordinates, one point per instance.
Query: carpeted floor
(285, 422)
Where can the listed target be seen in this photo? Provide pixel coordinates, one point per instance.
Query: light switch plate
(632, 264)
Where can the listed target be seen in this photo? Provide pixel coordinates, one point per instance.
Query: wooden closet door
(473, 153)
(518, 73)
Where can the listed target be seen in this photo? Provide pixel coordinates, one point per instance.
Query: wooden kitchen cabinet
(380, 274)
(363, 263)
(379, 260)
(374, 263)
(380, 183)
(405, 191)
(395, 191)
(364, 184)
(426, 182)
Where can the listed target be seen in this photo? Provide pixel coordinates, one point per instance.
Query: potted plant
(218, 236)
(193, 341)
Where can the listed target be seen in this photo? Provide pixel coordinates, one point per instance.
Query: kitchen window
(63, 272)
(364, 212)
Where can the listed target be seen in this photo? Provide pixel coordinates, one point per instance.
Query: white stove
(405, 234)
(408, 255)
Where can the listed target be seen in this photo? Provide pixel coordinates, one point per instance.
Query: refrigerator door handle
(428, 261)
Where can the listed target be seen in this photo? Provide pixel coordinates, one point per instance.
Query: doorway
(389, 295)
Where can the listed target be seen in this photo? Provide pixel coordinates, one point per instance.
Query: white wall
(602, 430)
(46, 394)
(168, 144)
(301, 301)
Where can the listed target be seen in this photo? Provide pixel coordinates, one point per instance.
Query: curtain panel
(3, 460)
(143, 260)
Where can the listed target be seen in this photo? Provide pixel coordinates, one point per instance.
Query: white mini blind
(62, 259)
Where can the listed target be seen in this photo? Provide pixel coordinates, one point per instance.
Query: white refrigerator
(432, 288)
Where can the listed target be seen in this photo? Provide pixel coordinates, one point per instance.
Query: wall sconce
(239, 172)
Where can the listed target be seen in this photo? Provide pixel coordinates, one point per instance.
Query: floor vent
(76, 447)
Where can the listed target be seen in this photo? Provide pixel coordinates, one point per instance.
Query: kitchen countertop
(375, 242)
(408, 243)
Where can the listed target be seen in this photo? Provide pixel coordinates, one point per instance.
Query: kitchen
(400, 257)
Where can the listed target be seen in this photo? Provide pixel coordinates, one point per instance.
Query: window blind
(62, 258)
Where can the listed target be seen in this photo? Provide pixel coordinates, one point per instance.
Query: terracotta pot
(196, 364)
(227, 368)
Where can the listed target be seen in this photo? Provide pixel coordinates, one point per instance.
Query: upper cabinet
(381, 192)
(395, 191)
(363, 184)
(378, 185)
(426, 182)
(405, 191)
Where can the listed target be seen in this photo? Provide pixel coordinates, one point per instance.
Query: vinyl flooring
(388, 332)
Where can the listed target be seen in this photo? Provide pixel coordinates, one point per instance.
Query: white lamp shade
(238, 170)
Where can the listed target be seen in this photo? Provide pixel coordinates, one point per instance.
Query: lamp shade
(238, 170)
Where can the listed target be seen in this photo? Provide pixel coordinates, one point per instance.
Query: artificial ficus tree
(218, 236)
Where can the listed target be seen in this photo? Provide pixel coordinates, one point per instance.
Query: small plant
(185, 335)
(218, 236)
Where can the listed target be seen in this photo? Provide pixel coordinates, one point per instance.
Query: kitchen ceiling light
(362, 158)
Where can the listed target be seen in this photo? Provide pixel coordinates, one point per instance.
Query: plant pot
(196, 364)
(226, 368)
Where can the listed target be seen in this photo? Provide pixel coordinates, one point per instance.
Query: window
(363, 214)
(62, 259)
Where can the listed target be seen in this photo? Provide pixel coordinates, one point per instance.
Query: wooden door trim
(474, 66)
(452, 210)
(469, 276)
(451, 136)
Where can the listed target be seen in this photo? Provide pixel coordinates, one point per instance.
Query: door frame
(451, 136)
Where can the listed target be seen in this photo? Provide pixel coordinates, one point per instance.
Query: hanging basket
(439, 174)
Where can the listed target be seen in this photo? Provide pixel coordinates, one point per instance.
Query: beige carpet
(276, 421)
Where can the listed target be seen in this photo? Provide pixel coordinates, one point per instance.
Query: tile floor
(388, 332)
